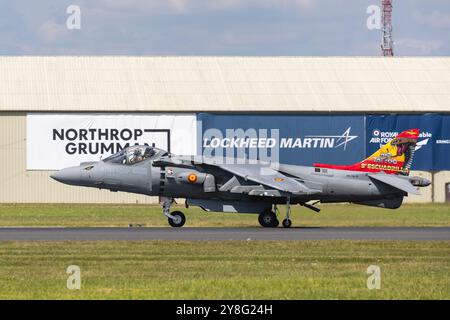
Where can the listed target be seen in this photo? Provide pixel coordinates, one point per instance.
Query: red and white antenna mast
(387, 45)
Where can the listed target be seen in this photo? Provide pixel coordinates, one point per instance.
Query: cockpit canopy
(134, 154)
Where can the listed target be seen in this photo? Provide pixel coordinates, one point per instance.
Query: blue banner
(288, 138)
(332, 139)
(433, 147)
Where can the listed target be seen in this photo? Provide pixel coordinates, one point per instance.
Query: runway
(223, 234)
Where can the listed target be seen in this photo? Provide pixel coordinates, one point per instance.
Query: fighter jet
(227, 185)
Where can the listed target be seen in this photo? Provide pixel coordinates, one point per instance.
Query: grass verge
(72, 215)
(225, 270)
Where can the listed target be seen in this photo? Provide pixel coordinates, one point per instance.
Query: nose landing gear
(176, 219)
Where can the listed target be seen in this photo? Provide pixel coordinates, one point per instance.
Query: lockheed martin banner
(291, 139)
(433, 147)
(332, 139)
(55, 141)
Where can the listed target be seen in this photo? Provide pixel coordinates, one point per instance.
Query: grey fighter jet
(223, 185)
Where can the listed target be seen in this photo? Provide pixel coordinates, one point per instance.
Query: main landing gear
(268, 218)
(176, 218)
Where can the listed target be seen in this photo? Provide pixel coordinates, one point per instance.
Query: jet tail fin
(395, 157)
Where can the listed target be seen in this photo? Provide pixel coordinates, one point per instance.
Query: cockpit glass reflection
(131, 155)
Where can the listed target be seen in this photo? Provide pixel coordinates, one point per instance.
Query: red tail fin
(395, 157)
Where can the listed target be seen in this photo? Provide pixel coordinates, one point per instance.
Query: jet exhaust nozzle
(419, 182)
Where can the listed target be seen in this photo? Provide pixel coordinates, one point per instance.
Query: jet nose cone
(67, 175)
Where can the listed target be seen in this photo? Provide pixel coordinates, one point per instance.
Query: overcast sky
(220, 27)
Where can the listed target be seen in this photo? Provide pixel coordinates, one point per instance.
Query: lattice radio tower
(387, 45)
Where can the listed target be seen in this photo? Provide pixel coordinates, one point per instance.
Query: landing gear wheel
(178, 219)
(268, 219)
(277, 223)
(287, 223)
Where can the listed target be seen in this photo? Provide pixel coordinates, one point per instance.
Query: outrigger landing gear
(287, 223)
(176, 219)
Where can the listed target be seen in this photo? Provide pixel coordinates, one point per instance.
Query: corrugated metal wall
(19, 185)
(224, 84)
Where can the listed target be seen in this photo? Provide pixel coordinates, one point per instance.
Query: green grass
(123, 215)
(225, 270)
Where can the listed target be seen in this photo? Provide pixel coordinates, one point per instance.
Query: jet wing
(269, 177)
(254, 171)
(396, 182)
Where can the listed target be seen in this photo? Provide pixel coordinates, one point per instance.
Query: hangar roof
(305, 84)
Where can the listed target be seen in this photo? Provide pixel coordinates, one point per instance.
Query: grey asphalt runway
(223, 234)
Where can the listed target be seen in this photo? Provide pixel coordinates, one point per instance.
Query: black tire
(179, 220)
(287, 223)
(276, 224)
(268, 219)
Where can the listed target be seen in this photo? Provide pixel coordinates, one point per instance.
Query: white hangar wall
(202, 84)
(194, 84)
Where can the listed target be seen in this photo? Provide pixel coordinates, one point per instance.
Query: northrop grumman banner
(55, 141)
(291, 139)
(433, 147)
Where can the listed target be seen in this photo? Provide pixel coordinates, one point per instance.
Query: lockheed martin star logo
(341, 140)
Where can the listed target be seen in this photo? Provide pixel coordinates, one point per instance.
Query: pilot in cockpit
(139, 153)
(132, 155)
